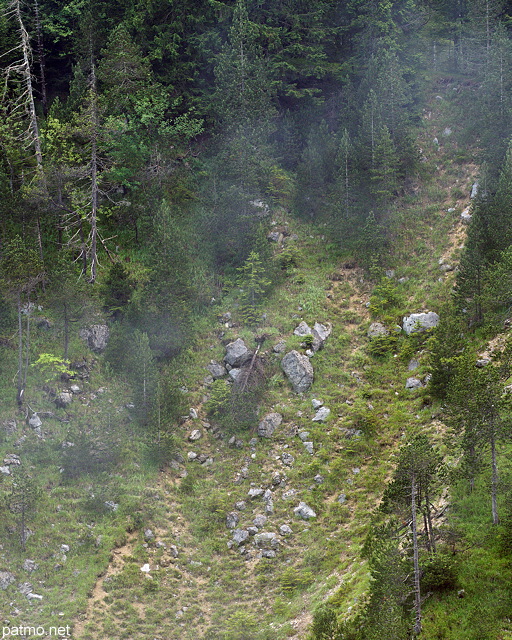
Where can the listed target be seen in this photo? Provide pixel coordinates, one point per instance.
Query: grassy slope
(210, 591)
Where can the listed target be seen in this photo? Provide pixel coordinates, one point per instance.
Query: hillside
(142, 553)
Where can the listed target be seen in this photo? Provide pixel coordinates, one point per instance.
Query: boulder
(237, 354)
(320, 334)
(298, 370)
(96, 337)
(269, 424)
(376, 330)
(420, 322)
(304, 512)
(217, 370)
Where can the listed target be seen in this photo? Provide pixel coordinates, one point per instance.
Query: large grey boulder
(96, 337)
(269, 424)
(237, 353)
(420, 322)
(298, 370)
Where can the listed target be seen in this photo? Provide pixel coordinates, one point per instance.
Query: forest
(178, 175)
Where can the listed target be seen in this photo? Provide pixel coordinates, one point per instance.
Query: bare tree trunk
(94, 172)
(417, 592)
(494, 482)
(40, 55)
(20, 390)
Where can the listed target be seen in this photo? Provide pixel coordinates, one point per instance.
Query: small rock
(240, 536)
(255, 492)
(241, 505)
(482, 362)
(173, 550)
(65, 548)
(280, 347)
(316, 403)
(232, 520)
(319, 479)
(413, 364)
(304, 512)
(269, 424)
(268, 553)
(287, 459)
(376, 330)
(74, 388)
(145, 568)
(342, 498)
(35, 421)
(309, 447)
(148, 535)
(260, 521)
(413, 383)
(6, 471)
(302, 330)
(217, 370)
(303, 435)
(266, 540)
(285, 530)
(196, 434)
(322, 414)
(6, 579)
(191, 455)
(193, 413)
(30, 565)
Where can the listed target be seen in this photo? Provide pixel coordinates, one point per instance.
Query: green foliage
(253, 284)
(439, 573)
(52, 366)
(385, 298)
(118, 288)
(382, 346)
(220, 399)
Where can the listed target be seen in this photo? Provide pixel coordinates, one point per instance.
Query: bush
(439, 573)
